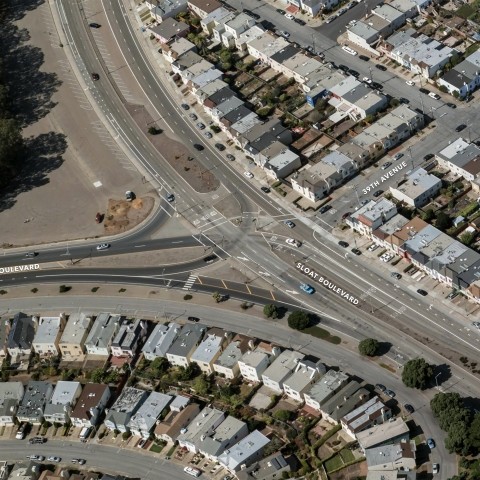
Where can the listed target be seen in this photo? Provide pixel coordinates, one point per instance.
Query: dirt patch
(122, 215)
(349, 473)
(197, 175)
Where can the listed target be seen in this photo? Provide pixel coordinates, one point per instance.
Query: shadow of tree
(43, 154)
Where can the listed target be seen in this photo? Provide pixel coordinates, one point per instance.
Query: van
(194, 472)
(85, 433)
(22, 431)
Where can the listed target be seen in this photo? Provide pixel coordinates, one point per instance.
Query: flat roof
(208, 348)
(103, 330)
(418, 182)
(268, 44)
(201, 425)
(207, 6)
(234, 351)
(128, 334)
(76, 327)
(283, 365)
(282, 159)
(327, 385)
(160, 339)
(189, 335)
(10, 395)
(228, 430)
(37, 394)
(254, 359)
(304, 374)
(147, 415)
(387, 12)
(128, 400)
(382, 433)
(89, 398)
(364, 413)
(65, 393)
(169, 28)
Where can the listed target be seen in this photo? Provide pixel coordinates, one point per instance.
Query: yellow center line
(224, 284)
(248, 288)
(200, 280)
(273, 296)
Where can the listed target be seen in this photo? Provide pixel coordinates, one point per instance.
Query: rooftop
(174, 421)
(417, 183)
(128, 334)
(161, 339)
(103, 330)
(305, 372)
(207, 6)
(188, 337)
(128, 400)
(75, 329)
(169, 28)
(88, 400)
(147, 415)
(64, 393)
(37, 394)
(346, 399)
(22, 332)
(208, 348)
(388, 13)
(327, 385)
(268, 44)
(201, 425)
(283, 365)
(10, 395)
(389, 456)
(282, 159)
(234, 351)
(230, 428)
(359, 417)
(383, 433)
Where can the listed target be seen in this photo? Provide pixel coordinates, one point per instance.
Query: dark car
(343, 244)
(377, 193)
(390, 393)
(325, 208)
(451, 105)
(353, 73)
(376, 85)
(265, 189)
(364, 58)
(381, 387)
(230, 157)
(194, 319)
(421, 292)
(428, 156)
(343, 68)
(35, 440)
(289, 223)
(396, 275)
(356, 251)
(170, 197)
(198, 147)
(256, 16)
(461, 127)
(346, 215)
(381, 67)
(210, 258)
(220, 147)
(424, 90)
(408, 408)
(94, 25)
(31, 254)
(299, 21)
(95, 77)
(280, 11)
(404, 100)
(185, 106)
(99, 217)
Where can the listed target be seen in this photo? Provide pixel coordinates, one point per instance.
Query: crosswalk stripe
(190, 281)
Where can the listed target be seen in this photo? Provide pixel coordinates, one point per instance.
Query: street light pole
(436, 379)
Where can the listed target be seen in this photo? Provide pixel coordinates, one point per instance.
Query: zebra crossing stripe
(190, 281)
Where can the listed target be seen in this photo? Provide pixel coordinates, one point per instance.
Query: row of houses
(433, 252)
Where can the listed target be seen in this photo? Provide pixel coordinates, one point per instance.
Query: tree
(417, 373)
(467, 238)
(458, 439)
(11, 149)
(428, 215)
(217, 297)
(201, 385)
(474, 434)
(299, 320)
(443, 221)
(283, 415)
(270, 310)
(368, 347)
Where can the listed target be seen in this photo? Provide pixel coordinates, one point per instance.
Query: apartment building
(462, 158)
(32, 406)
(418, 190)
(464, 78)
(254, 362)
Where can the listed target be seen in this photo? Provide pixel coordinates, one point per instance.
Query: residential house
(32, 406)
(195, 70)
(160, 10)
(176, 420)
(185, 61)
(129, 338)
(282, 164)
(306, 373)
(225, 435)
(64, 398)
(368, 32)
(389, 13)
(47, 336)
(388, 433)
(233, 117)
(349, 397)
(272, 127)
(142, 422)
(242, 41)
(25, 471)
(320, 83)
(419, 188)
(226, 107)
(299, 67)
(215, 18)
(324, 389)
(4, 331)
(203, 93)
(90, 405)
(237, 129)
(371, 413)
(72, 341)
(269, 468)
(417, 52)
(103, 331)
(20, 337)
(398, 456)
(255, 362)
(173, 50)
(461, 158)
(125, 406)
(201, 8)
(360, 156)
(227, 363)
(265, 46)
(168, 30)
(463, 78)
(313, 7)
(232, 29)
(203, 425)
(369, 217)
(280, 369)
(185, 344)
(245, 452)
(11, 394)
(160, 340)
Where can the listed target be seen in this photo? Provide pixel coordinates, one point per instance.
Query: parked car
(424, 90)
(194, 319)
(284, 33)
(37, 458)
(265, 189)
(343, 68)
(299, 21)
(185, 106)
(431, 443)
(54, 459)
(95, 76)
(230, 157)
(256, 16)
(410, 83)
(220, 147)
(103, 246)
(248, 174)
(280, 11)
(353, 73)
(364, 58)
(367, 80)
(381, 67)
(292, 242)
(408, 408)
(428, 156)
(80, 461)
(404, 100)
(386, 165)
(36, 440)
(192, 116)
(390, 393)
(325, 208)
(422, 292)
(377, 193)
(435, 468)
(349, 50)
(434, 95)
(94, 25)
(396, 275)
(170, 197)
(346, 215)
(200, 126)
(210, 258)
(372, 247)
(356, 251)
(376, 86)
(397, 156)
(343, 244)
(289, 223)
(461, 127)
(451, 105)
(198, 147)
(289, 16)
(307, 288)
(129, 195)
(476, 325)
(380, 387)
(142, 443)
(364, 202)
(208, 135)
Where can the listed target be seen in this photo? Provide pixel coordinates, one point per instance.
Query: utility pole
(421, 101)
(410, 153)
(313, 42)
(356, 193)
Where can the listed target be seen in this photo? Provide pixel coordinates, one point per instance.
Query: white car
(372, 248)
(54, 459)
(349, 50)
(435, 468)
(248, 174)
(293, 242)
(331, 18)
(38, 458)
(434, 95)
(387, 258)
(103, 246)
(289, 16)
(410, 83)
(367, 80)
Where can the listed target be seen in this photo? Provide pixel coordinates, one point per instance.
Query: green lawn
(347, 455)
(156, 448)
(323, 334)
(334, 463)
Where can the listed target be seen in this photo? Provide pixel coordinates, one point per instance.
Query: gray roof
(456, 77)
(128, 334)
(230, 428)
(384, 433)
(237, 114)
(221, 95)
(10, 395)
(160, 339)
(77, 325)
(285, 53)
(129, 401)
(208, 348)
(103, 330)
(169, 28)
(345, 400)
(390, 455)
(37, 394)
(233, 352)
(47, 330)
(188, 337)
(64, 393)
(22, 332)
(25, 470)
(148, 413)
(201, 425)
(283, 365)
(327, 385)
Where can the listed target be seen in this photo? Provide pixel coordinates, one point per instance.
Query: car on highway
(397, 156)
(94, 25)
(289, 223)
(170, 197)
(409, 408)
(248, 174)
(396, 275)
(194, 319)
(185, 106)
(386, 165)
(364, 58)
(422, 292)
(451, 105)
(210, 258)
(325, 208)
(230, 157)
(220, 147)
(37, 458)
(410, 83)
(103, 246)
(372, 247)
(343, 244)
(31, 254)
(476, 325)
(284, 33)
(434, 95)
(390, 393)
(265, 189)
(36, 440)
(377, 193)
(461, 127)
(293, 243)
(200, 126)
(299, 21)
(198, 147)
(380, 387)
(95, 76)
(349, 50)
(129, 195)
(80, 461)
(208, 135)
(431, 443)
(54, 459)
(280, 11)
(435, 468)
(356, 251)
(307, 288)
(288, 15)
(381, 67)
(428, 156)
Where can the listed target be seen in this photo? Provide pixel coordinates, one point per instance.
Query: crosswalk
(190, 281)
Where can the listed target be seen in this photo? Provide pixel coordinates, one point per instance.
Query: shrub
(299, 320)
(270, 311)
(64, 288)
(368, 347)
(187, 297)
(34, 290)
(122, 290)
(94, 289)
(283, 415)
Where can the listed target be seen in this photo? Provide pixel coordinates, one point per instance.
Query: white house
(227, 362)
(274, 376)
(419, 188)
(306, 373)
(325, 388)
(254, 363)
(102, 333)
(125, 406)
(160, 340)
(463, 78)
(210, 349)
(64, 398)
(48, 334)
(128, 338)
(142, 422)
